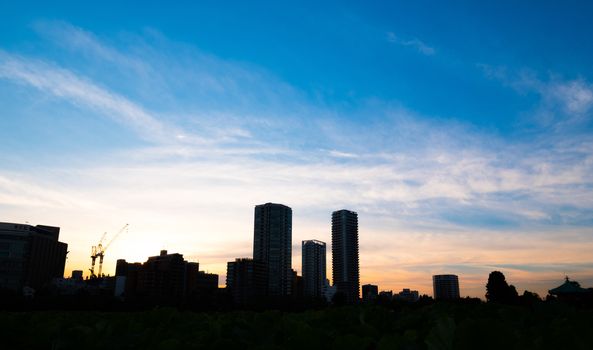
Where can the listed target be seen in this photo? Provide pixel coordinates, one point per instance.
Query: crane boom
(104, 249)
(124, 228)
(103, 237)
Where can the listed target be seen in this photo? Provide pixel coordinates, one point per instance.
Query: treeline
(465, 324)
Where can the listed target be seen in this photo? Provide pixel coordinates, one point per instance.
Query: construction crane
(95, 252)
(98, 251)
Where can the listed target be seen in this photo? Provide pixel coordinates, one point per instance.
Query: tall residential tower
(346, 276)
(314, 274)
(272, 245)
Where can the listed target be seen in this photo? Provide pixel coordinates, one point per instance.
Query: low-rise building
(385, 296)
(408, 295)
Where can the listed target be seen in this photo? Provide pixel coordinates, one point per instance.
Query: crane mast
(98, 251)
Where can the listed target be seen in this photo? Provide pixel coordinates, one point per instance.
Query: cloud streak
(414, 43)
(63, 84)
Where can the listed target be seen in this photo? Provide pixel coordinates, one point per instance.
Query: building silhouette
(345, 254)
(314, 268)
(204, 281)
(272, 245)
(164, 277)
(385, 296)
(246, 280)
(370, 292)
(126, 278)
(445, 287)
(330, 291)
(408, 295)
(30, 256)
(297, 287)
(77, 275)
(570, 291)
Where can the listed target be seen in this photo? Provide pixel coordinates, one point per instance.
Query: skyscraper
(272, 245)
(314, 274)
(445, 286)
(345, 254)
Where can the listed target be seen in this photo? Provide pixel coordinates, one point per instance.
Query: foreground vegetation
(543, 325)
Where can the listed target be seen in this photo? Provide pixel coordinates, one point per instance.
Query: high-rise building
(345, 254)
(30, 256)
(369, 292)
(314, 270)
(445, 286)
(272, 245)
(246, 280)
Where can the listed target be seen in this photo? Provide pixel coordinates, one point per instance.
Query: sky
(461, 133)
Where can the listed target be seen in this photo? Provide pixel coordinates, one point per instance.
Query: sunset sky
(461, 133)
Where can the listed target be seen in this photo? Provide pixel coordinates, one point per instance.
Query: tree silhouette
(529, 298)
(499, 291)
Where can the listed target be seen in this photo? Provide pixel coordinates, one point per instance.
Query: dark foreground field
(436, 326)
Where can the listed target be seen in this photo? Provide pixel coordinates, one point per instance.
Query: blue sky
(460, 132)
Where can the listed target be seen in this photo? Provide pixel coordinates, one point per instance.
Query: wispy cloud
(576, 96)
(206, 96)
(64, 84)
(563, 102)
(414, 43)
(82, 41)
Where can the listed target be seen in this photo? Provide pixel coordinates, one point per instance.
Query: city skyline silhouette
(296, 175)
(257, 256)
(460, 136)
